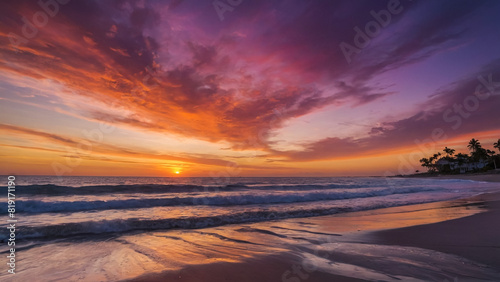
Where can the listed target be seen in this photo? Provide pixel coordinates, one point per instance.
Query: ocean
(59, 207)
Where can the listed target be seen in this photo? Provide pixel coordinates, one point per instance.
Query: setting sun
(177, 172)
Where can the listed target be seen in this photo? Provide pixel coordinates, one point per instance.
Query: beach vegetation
(479, 159)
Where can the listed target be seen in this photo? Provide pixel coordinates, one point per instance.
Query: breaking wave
(221, 199)
(135, 224)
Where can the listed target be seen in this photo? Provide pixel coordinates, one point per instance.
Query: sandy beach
(474, 237)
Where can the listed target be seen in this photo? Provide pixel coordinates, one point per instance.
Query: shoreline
(474, 237)
(488, 176)
(432, 241)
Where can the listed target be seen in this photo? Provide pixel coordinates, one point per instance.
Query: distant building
(461, 166)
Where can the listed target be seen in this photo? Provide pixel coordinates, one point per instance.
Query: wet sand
(260, 268)
(476, 237)
(440, 241)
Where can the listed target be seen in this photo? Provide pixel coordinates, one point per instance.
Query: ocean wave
(56, 190)
(134, 224)
(255, 198)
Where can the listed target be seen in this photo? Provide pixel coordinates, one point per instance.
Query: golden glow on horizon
(34, 159)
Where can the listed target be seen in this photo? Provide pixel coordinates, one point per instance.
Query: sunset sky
(244, 88)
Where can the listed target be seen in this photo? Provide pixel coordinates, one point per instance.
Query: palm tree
(462, 158)
(474, 145)
(492, 156)
(433, 160)
(426, 163)
(449, 152)
(496, 145)
(434, 157)
(429, 162)
(482, 153)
